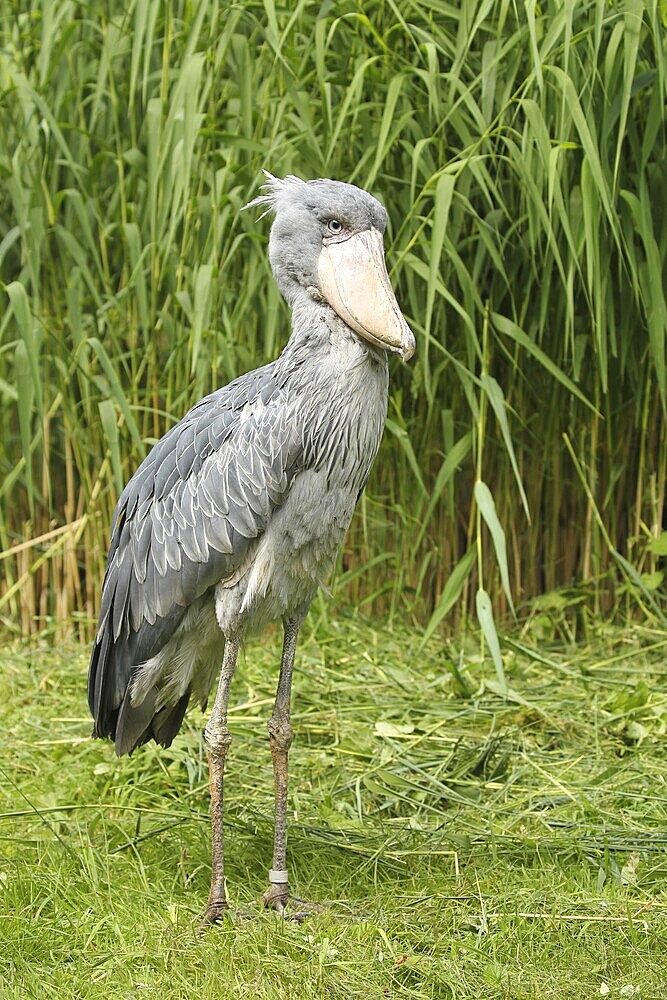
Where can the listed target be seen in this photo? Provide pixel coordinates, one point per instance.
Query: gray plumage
(202, 500)
(236, 516)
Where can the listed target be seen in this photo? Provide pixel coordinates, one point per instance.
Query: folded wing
(185, 521)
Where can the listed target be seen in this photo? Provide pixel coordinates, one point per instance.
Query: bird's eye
(335, 227)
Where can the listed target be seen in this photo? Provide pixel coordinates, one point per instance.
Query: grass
(521, 151)
(472, 844)
(469, 845)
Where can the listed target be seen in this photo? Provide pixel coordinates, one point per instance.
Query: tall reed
(521, 154)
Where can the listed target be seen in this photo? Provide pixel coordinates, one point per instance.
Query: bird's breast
(338, 405)
(345, 414)
(294, 556)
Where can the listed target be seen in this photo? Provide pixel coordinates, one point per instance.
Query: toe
(276, 898)
(215, 911)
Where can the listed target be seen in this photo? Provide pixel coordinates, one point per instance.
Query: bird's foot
(215, 911)
(277, 898)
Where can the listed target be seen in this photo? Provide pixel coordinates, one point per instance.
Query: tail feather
(137, 724)
(108, 678)
(116, 718)
(133, 726)
(167, 721)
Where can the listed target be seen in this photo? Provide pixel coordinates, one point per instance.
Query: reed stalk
(521, 154)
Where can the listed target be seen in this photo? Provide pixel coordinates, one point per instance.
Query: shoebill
(234, 518)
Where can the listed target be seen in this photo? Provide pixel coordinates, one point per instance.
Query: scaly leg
(218, 739)
(280, 736)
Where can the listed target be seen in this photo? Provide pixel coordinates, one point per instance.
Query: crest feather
(276, 189)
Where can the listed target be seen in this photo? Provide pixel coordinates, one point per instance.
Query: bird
(235, 517)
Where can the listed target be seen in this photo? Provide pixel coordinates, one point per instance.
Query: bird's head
(326, 242)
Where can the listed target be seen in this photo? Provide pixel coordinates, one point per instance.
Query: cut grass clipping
(468, 845)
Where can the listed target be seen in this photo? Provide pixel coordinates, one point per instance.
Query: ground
(468, 844)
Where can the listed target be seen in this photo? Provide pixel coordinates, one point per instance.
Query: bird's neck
(338, 388)
(320, 335)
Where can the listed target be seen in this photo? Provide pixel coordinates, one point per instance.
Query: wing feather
(185, 521)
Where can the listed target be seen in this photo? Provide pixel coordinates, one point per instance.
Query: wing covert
(185, 521)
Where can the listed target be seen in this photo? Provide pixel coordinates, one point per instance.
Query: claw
(306, 909)
(215, 911)
(277, 898)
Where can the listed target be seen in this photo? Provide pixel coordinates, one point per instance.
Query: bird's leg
(218, 739)
(280, 737)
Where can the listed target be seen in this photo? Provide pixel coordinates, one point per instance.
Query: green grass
(468, 845)
(520, 149)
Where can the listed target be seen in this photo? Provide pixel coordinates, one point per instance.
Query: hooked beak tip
(408, 344)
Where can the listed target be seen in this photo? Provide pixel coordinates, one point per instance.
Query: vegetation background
(521, 153)
(502, 839)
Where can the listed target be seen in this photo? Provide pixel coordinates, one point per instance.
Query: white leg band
(278, 876)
